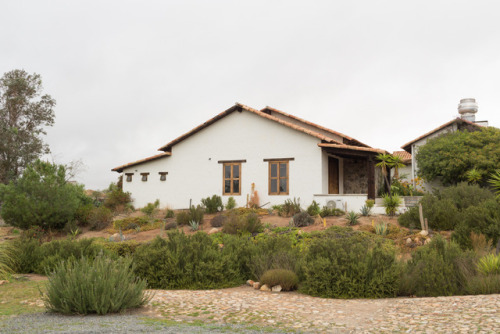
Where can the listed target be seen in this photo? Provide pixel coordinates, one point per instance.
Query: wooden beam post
(371, 178)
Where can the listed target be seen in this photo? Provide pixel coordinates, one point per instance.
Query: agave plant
(381, 228)
(365, 210)
(194, 225)
(474, 176)
(352, 218)
(489, 264)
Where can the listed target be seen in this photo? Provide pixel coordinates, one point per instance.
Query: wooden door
(333, 175)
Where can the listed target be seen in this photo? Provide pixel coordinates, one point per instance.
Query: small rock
(3, 282)
(264, 288)
(256, 285)
(116, 237)
(427, 241)
(276, 288)
(213, 230)
(250, 282)
(408, 241)
(424, 233)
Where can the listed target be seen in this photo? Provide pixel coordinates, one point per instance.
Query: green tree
(449, 157)
(24, 114)
(40, 197)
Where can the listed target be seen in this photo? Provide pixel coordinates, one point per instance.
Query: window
(278, 177)
(163, 176)
(231, 178)
(129, 176)
(144, 176)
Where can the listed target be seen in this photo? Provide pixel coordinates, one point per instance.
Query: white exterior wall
(194, 172)
(428, 186)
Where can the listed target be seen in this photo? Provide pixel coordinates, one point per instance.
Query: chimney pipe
(468, 109)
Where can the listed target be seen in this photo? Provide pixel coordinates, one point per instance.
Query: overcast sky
(130, 76)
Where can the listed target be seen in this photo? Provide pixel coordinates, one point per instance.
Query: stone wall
(355, 176)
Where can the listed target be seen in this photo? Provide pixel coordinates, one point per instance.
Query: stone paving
(292, 311)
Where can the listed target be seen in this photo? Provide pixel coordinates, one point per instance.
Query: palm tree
(397, 163)
(385, 164)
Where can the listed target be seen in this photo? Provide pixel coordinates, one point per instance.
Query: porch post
(371, 178)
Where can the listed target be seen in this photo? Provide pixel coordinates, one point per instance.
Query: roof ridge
(314, 124)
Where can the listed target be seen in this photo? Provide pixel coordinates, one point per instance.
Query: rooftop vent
(468, 109)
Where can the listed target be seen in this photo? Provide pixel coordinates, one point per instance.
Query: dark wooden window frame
(129, 177)
(144, 177)
(163, 176)
(231, 178)
(279, 176)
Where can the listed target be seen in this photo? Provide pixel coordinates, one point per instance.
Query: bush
(289, 208)
(191, 262)
(482, 285)
(40, 197)
(34, 257)
(194, 214)
(325, 212)
(101, 286)
(284, 277)
(124, 223)
(391, 204)
(217, 221)
(116, 199)
(352, 218)
(100, 218)
(231, 203)
(381, 228)
(213, 204)
(302, 219)
(342, 263)
(249, 223)
(313, 209)
(171, 226)
(151, 208)
(436, 269)
(7, 260)
(169, 214)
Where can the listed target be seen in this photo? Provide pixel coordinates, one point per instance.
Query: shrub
(489, 264)
(125, 222)
(302, 219)
(391, 204)
(99, 218)
(213, 204)
(171, 226)
(325, 212)
(284, 277)
(217, 221)
(231, 203)
(151, 208)
(169, 214)
(191, 262)
(370, 203)
(235, 224)
(352, 218)
(342, 263)
(7, 260)
(183, 218)
(482, 285)
(71, 228)
(313, 209)
(101, 286)
(289, 208)
(40, 197)
(116, 199)
(436, 270)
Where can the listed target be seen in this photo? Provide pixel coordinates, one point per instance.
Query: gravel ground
(49, 323)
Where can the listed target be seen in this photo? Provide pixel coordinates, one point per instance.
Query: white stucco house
(466, 121)
(285, 157)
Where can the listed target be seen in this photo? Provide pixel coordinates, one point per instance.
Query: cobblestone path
(294, 311)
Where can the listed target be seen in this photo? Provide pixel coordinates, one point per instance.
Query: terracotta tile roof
(120, 169)
(353, 148)
(314, 125)
(458, 120)
(405, 156)
(240, 107)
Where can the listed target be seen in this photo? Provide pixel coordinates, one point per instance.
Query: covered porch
(349, 176)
